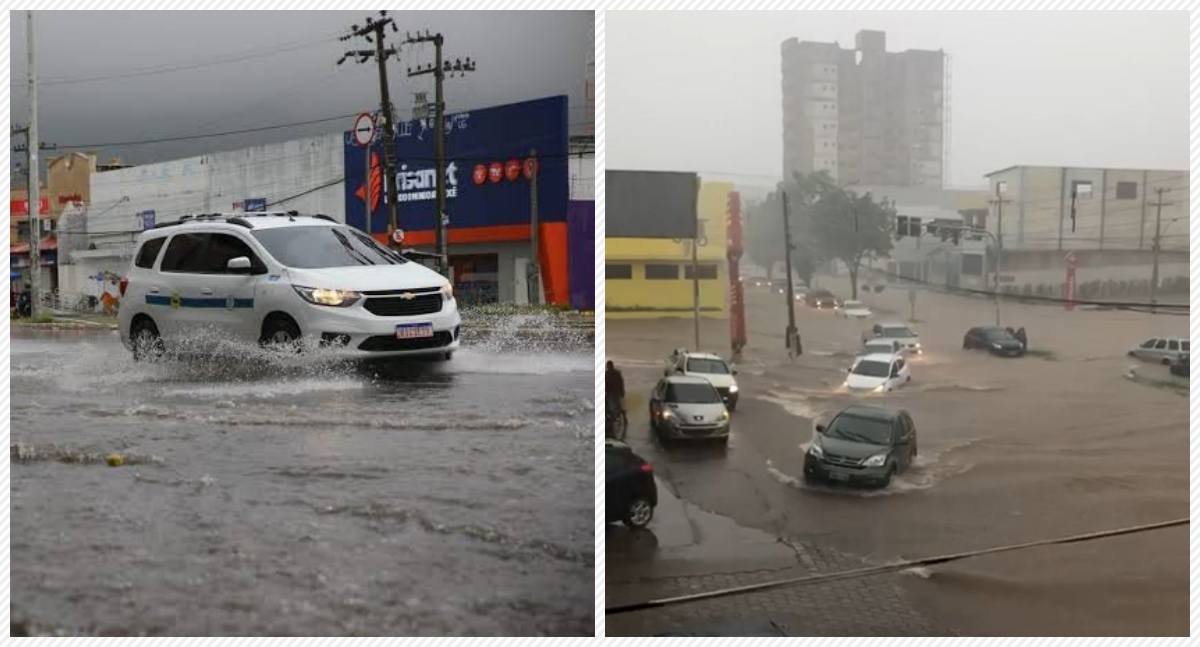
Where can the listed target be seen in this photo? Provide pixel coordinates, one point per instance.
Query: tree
(763, 231)
(849, 227)
(765, 236)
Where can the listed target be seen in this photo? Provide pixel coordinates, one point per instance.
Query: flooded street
(300, 496)
(1010, 450)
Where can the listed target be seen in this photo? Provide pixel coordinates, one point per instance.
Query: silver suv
(1161, 349)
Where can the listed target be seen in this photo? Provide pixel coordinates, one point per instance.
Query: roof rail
(323, 217)
(239, 221)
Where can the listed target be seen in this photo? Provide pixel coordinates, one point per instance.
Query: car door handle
(206, 291)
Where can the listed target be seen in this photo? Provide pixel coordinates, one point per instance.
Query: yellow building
(652, 277)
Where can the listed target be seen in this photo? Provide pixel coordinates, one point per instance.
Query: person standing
(1020, 335)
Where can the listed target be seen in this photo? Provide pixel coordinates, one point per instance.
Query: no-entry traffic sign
(364, 129)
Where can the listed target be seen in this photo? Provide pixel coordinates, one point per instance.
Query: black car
(1181, 365)
(993, 339)
(862, 444)
(821, 299)
(629, 490)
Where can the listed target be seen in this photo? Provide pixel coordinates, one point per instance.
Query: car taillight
(647, 468)
(123, 284)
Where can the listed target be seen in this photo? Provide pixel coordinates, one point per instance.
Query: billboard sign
(650, 204)
(254, 204)
(487, 152)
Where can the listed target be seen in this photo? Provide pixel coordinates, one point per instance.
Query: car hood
(718, 380)
(362, 278)
(855, 381)
(850, 448)
(697, 414)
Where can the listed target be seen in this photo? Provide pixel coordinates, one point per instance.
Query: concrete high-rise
(865, 115)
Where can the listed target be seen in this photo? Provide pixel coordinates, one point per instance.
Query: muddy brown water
(1010, 450)
(300, 496)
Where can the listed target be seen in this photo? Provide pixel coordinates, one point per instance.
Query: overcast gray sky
(701, 91)
(520, 56)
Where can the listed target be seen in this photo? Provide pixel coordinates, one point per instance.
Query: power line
(208, 135)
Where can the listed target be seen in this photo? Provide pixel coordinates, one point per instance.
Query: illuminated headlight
(878, 389)
(324, 297)
(815, 450)
(875, 461)
(667, 415)
(724, 415)
(733, 389)
(448, 292)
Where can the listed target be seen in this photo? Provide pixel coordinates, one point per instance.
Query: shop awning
(50, 243)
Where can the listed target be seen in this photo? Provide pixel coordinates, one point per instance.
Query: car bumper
(678, 431)
(1007, 352)
(361, 334)
(819, 469)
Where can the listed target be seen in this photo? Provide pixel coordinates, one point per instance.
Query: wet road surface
(299, 496)
(1010, 450)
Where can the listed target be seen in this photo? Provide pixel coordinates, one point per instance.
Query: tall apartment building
(865, 115)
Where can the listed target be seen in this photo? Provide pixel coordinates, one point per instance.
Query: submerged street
(258, 494)
(1011, 450)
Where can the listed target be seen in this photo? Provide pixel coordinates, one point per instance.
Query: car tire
(638, 514)
(1166, 361)
(281, 332)
(145, 340)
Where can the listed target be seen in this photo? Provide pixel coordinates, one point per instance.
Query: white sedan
(854, 310)
(878, 373)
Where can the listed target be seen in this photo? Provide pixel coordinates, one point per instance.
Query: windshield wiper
(355, 254)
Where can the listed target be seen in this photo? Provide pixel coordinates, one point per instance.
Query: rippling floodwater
(299, 495)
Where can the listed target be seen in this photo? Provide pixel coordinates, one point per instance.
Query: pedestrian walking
(1020, 335)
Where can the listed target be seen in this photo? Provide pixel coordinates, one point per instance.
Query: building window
(1127, 190)
(618, 271)
(1081, 189)
(706, 271)
(662, 272)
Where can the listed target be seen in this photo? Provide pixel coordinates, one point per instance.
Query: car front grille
(383, 343)
(422, 302)
(841, 461)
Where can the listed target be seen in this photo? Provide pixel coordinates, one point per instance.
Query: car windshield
(314, 247)
(997, 334)
(707, 366)
(878, 348)
(898, 331)
(852, 304)
(692, 394)
(861, 430)
(872, 368)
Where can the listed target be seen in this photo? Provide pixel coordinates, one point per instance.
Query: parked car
(630, 494)
(878, 373)
(821, 299)
(854, 310)
(683, 406)
(993, 339)
(710, 367)
(910, 341)
(879, 346)
(1161, 349)
(281, 278)
(862, 444)
(1181, 365)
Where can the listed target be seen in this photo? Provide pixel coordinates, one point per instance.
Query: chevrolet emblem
(407, 296)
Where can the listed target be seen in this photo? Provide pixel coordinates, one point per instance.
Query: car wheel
(146, 342)
(1166, 362)
(282, 333)
(639, 513)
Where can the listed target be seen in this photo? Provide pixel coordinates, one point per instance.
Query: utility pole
(1159, 204)
(374, 32)
(999, 202)
(533, 274)
(792, 336)
(34, 200)
(439, 70)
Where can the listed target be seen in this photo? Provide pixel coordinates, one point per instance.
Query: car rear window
(149, 252)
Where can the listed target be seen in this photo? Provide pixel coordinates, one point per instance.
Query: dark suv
(629, 490)
(995, 340)
(862, 444)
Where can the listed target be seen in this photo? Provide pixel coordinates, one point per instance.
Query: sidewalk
(687, 550)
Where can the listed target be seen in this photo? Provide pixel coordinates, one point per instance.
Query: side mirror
(820, 429)
(238, 265)
(734, 372)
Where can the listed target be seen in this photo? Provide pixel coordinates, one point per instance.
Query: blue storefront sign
(486, 181)
(254, 204)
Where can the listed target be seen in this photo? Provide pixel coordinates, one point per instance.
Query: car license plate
(414, 331)
(838, 476)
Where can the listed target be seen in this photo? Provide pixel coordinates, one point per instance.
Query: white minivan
(283, 278)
